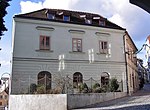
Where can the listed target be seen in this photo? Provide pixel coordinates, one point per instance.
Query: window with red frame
(103, 47)
(76, 45)
(44, 43)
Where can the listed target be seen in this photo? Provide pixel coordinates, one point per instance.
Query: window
(44, 78)
(1, 97)
(101, 22)
(103, 46)
(5, 96)
(77, 79)
(88, 21)
(66, 18)
(50, 16)
(104, 79)
(76, 45)
(44, 43)
(1, 103)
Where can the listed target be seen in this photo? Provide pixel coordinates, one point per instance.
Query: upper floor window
(50, 16)
(66, 18)
(1, 97)
(103, 47)
(44, 43)
(76, 45)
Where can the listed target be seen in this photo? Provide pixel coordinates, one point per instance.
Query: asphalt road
(138, 101)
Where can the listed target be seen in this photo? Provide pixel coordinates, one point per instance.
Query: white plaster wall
(38, 102)
(81, 100)
(26, 40)
(25, 72)
(28, 61)
(59, 101)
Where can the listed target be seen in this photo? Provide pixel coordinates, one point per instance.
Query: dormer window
(88, 21)
(101, 22)
(50, 16)
(66, 18)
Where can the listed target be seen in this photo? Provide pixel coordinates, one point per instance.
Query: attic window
(50, 16)
(88, 21)
(66, 18)
(101, 22)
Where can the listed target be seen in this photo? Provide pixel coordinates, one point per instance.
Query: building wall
(63, 101)
(3, 99)
(28, 60)
(132, 69)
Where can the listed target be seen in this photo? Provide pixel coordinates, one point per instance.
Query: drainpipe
(126, 64)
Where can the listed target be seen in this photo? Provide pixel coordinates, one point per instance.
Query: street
(138, 101)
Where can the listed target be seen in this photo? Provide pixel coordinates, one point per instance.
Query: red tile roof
(75, 17)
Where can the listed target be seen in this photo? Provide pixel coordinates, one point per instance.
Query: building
(142, 73)
(131, 63)
(3, 99)
(147, 55)
(50, 44)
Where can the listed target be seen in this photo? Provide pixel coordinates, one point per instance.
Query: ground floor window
(77, 79)
(104, 79)
(44, 78)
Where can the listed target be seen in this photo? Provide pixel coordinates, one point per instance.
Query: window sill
(77, 52)
(44, 50)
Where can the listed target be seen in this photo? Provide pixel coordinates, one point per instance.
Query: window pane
(101, 23)
(50, 16)
(44, 42)
(77, 45)
(47, 41)
(66, 18)
(88, 21)
(105, 45)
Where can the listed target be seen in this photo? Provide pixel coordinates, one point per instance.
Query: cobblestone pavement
(138, 101)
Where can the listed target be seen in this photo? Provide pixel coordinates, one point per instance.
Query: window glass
(50, 16)
(66, 18)
(77, 79)
(1, 97)
(103, 47)
(44, 43)
(77, 45)
(88, 21)
(101, 22)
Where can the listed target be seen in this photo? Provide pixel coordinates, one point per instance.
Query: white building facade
(61, 49)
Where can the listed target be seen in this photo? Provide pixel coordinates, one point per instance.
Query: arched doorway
(77, 79)
(104, 79)
(44, 78)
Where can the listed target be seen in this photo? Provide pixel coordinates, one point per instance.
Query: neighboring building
(142, 72)
(131, 63)
(51, 43)
(3, 99)
(147, 48)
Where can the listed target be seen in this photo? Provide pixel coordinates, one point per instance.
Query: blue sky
(121, 12)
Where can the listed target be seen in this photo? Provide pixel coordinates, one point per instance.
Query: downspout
(126, 64)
